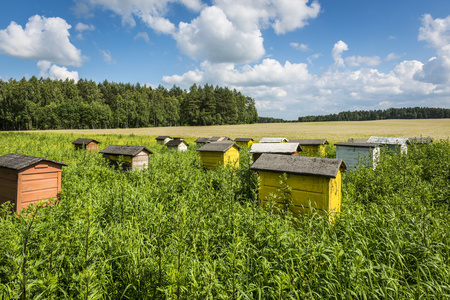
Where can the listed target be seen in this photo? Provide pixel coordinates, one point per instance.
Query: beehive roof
(273, 140)
(162, 137)
(421, 140)
(388, 140)
(243, 139)
(218, 146)
(176, 143)
(81, 141)
(281, 148)
(350, 144)
(219, 139)
(201, 140)
(327, 167)
(19, 161)
(125, 150)
(310, 142)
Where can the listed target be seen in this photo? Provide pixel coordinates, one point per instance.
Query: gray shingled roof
(125, 150)
(388, 140)
(421, 140)
(218, 146)
(280, 148)
(201, 140)
(357, 140)
(162, 137)
(175, 143)
(84, 141)
(350, 144)
(19, 161)
(219, 139)
(327, 167)
(243, 139)
(272, 140)
(310, 142)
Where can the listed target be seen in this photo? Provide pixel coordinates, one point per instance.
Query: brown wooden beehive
(26, 179)
(86, 144)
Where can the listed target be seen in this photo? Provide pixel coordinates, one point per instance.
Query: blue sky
(294, 57)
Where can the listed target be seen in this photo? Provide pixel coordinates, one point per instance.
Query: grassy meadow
(332, 131)
(177, 231)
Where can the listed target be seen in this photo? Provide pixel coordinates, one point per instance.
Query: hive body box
(312, 147)
(26, 179)
(86, 144)
(244, 142)
(131, 157)
(315, 182)
(392, 143)
(216, 154)
(351, 153)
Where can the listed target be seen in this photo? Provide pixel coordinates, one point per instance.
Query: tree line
(57, 104)
(391, 113)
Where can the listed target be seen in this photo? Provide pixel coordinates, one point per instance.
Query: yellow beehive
(312, 147)
(218, 154)
(315, 182)
(244, 142)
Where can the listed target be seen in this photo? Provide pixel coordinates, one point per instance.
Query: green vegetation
(391, 113)
(56, 104)
(177, 231)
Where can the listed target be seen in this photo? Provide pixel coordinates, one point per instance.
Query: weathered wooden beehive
(244, 142)
(26, 179)
(86, 144)
(177, 145)
(218, 154)
(312, 147)
(201, 141)
(392, 143)
(315, 182)
(163, 139)
(352, 153)
(275, 148)
(131, 157)
(273, 140)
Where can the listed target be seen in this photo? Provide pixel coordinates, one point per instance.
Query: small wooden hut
(177, 145)
(163, 139)
(315, 182)
(244, 142)
(273, 140)
(26, 179)
(218, 154)
(86, 144)
(312, 147)
(351, 153)
(201, 141)
(275, 148)
(392, 143)
(131, 157)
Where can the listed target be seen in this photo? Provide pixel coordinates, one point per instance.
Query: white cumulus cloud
(54, 72)
(41, 39)
(356, 61)
(337, 51)
(213, 37)
(142, 35)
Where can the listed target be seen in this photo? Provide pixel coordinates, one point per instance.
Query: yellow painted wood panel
(319, 192)
(231, 157)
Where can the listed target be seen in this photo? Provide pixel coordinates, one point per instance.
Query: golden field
(332, 131)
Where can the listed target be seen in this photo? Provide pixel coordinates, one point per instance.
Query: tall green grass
(176, 231)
